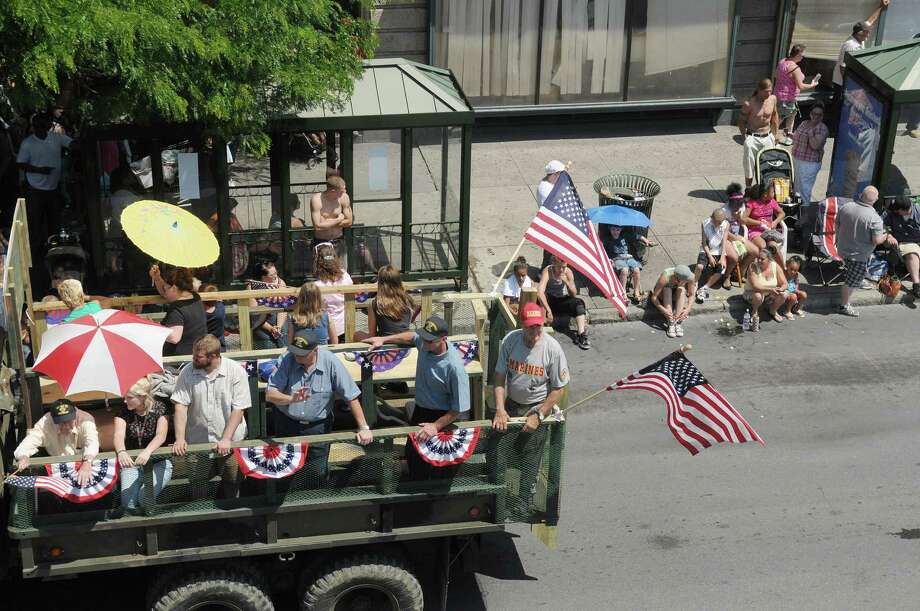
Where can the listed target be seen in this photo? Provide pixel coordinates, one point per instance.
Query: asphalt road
(824, 516)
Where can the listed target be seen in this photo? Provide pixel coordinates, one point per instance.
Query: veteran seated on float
(63, 431)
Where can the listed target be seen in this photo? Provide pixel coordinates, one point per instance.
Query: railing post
(426, 305)
(242, 312)
(405, 194)
(449, 314)
(350, 317)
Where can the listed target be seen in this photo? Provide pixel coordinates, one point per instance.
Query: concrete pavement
(824, 516)
(692, 161)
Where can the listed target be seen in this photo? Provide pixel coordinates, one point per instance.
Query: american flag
(562, 227)
(698, 414)
(57, 485)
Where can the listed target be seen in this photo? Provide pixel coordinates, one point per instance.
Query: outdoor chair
(821, 247)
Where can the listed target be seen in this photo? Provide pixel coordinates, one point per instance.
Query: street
(822, 517)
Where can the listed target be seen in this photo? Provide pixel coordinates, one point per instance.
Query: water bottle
(746, 321)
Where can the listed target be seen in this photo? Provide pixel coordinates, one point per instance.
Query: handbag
(889, 286)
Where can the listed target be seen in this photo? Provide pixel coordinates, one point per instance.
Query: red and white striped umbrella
(107, 351)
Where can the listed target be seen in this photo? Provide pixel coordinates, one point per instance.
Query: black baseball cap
(862, 26)
(63, 411)
(434, 328)
(304, 343)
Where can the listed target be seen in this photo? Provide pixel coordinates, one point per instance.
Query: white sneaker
(672, 331)
(701, 295)
(679, 330)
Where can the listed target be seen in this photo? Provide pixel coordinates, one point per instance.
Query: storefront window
(679, 49)
(823, 25)
(583, 52)
(902, 21)
(491, 47)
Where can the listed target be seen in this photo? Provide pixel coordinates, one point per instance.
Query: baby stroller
(774, 167)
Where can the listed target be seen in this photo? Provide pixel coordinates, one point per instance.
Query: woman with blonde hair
(308, 316)
(328, 270)
(71, 292)
(141, 425)
(391, 311)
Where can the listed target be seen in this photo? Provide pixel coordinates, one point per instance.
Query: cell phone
(817, 77)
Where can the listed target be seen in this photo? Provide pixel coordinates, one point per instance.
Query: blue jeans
(805, 174)
(132, 482)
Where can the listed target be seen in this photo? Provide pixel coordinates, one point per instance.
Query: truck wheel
(232, 587)
(368, 582)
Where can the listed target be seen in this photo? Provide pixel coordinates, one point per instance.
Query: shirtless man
(331, 214)
(759, 123)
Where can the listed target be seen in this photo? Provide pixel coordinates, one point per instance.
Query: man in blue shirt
(442, 389)
(303, 390)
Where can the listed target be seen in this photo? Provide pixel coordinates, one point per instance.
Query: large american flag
(562, 227)
(698, 414)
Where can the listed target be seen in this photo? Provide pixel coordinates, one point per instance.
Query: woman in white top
(515, 282)
(328, 271)
(713, 253)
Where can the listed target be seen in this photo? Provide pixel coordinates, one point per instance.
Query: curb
(820, 300)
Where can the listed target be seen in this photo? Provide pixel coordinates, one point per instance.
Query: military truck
(344, 541)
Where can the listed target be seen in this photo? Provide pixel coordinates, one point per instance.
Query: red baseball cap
(531, 314)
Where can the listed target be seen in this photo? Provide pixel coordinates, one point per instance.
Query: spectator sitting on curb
(793, 286)
(903, 221)
(559, 296)
(859, 230)
(763, 217)
(620, 247)
(671, 297)
(515, 282)
(712, 256)
(766, 283)
(742, 251)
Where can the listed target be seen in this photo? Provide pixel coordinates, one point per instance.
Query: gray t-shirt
(531, 372)
(857, 224)
(441, 381)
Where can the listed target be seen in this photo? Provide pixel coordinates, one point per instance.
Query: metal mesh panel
(521, 469)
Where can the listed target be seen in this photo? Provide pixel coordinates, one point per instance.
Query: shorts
(772, 235)
(856, 272)
(753, 145)
(908, 248)
(740, 248)
(785, 109)
(702, 259)
(626, 263)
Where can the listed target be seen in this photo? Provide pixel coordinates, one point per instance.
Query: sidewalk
(692, 161)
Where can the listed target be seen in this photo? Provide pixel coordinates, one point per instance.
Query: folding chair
(822, 245)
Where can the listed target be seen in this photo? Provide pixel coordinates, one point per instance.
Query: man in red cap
(530, 374)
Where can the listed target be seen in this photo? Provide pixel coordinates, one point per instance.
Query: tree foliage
(227, 64)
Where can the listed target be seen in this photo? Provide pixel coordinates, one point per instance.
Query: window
(902, 21)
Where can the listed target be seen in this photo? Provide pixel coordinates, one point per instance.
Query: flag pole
(8, 476)
(501, 276)
(683, 348)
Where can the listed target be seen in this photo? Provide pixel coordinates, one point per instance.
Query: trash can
(630, 191)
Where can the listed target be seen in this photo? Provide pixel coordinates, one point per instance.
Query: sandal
(727, 284)
(777, 317)
(800, 312)
(790, 316)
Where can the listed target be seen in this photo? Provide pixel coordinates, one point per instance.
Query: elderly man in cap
(530, 374)
(303, 390)
(442, 388)
(859, 231)
(63, 431)
(672, 297)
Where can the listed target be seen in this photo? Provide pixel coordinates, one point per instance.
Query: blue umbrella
(618, 215)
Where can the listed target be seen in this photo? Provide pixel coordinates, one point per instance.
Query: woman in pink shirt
(788, 83)
(328, 271)
(763, 217)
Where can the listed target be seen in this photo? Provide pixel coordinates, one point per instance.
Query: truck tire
(230, 587)
(371, 582)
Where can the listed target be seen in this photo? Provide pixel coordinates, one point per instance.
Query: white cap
(554, 166)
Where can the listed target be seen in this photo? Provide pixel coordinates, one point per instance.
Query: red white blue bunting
(449, 447)
(63, 482)
(273, 460)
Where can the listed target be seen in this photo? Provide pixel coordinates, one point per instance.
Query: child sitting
(796, 306)
(620, 249)
(713, 253)
(514, 283)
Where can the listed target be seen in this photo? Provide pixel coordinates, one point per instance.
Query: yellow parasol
(169, 234)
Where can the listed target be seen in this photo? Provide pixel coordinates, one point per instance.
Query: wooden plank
(527, 58)
(242, 309)
(485, 42)
(472, 51)
(496, 73)
(509, 15)
(350, 315)
(550, 41)
(615, 56)
(598, 46)
(426, 306)
(455, 17)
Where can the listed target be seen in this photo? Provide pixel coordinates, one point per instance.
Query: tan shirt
(83, 440)
(210, 397)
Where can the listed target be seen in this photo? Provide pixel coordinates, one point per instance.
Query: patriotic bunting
(449, 447)
(272, 461)
(62, 480)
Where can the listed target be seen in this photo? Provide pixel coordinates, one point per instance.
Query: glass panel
(583, 52)
(376, 201)
(902, 21)
(433, 217)
(679, 49)
(251, 211)
(823, 25)
(858, 134)
(903, 177)
(491, 47)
